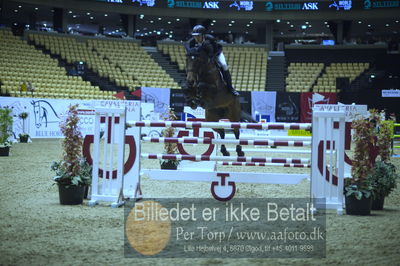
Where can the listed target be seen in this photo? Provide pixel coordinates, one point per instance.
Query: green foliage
(23, 135)
(6, 124)
(23, 115)
(383, 179)
(364, 139)
(385, 139)
(358, 192)
(170, 148)
(72, 170)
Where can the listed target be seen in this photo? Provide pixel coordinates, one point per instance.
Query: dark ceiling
(90, 21)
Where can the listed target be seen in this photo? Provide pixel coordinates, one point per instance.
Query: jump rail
(327, 167)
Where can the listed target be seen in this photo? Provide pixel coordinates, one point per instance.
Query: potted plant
(169, 148)
(383, 181)
(6, 124)
(384, 177)
(73, 173)
(358, 190)
(23, 137)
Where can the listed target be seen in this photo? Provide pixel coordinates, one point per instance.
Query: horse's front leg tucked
(238, 147)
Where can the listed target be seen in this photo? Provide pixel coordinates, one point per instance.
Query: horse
(206, 87)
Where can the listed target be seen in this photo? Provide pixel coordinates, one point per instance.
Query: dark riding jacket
(209, 45)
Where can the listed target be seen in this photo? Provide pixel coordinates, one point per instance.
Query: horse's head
(197, 64)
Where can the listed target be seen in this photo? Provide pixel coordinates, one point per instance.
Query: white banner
(263, 103)
(352, 110)
(45, 115)
(157, 96)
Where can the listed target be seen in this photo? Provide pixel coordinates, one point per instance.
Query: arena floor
(35, 229)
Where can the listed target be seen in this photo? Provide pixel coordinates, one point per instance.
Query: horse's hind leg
(238, 147)
(223, 149)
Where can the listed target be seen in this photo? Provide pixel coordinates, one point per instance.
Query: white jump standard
(327, 163)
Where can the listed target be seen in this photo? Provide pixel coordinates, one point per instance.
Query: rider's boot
(228, 80)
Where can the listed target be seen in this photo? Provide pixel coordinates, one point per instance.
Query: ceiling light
(169, 22)
(278, 20)
(15, 23)
(288, 22)
(247, 32)
(251, 22)
(74, 16)
(369, 25)
(397, 21)
(248, 25)
(232, 21)
(137, 30)
(70, 12)
(229, 31)
(326, 22)
(15, 10)
(359, 22)
(88, 13)
(151, 21)
(291, 26)
(306, 22)
(19, 6)
(230, 25)
(159, 18)
(303, 27)
(91, 17)
(52, 10)
(212, 24)
(214, 20)
(106, 15)
(281, 33)
(310, 26)
(36, 8)
(178, 19)
(387, 25)
(327, 26)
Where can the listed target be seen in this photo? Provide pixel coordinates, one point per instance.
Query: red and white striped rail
(227, 141)
(296, 165)
(219, 125)
(225, 158)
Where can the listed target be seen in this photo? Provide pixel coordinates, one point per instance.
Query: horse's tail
(246, 117)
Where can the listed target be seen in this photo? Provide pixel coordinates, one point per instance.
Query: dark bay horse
(207, 88)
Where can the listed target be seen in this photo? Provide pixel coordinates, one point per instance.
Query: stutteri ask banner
(307, 101)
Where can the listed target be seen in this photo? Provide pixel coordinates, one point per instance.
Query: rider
(201, 40)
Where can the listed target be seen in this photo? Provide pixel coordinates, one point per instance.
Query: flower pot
(358, 207)
(23, 139)
(71, 195)
(4, 151)
(378, 202)
(169, 165)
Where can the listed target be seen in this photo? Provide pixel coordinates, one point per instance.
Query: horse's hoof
(240, 153)
(225, 153)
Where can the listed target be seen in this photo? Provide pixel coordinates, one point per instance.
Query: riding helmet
(198, 29)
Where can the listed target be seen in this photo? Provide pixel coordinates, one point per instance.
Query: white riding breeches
(222, 61)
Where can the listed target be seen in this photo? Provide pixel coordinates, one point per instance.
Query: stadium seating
(327, 82)
(123, 62)
(248, 65)
(22, 63)
(301, 76)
